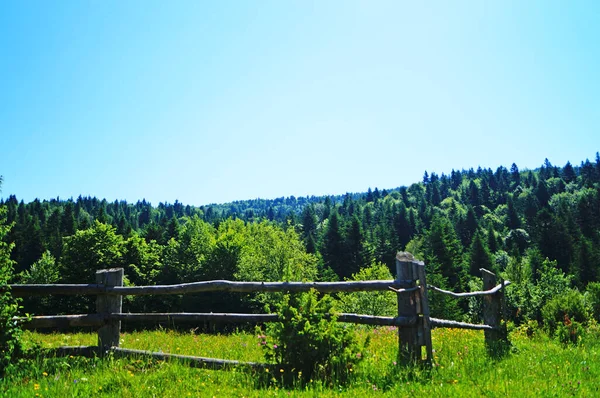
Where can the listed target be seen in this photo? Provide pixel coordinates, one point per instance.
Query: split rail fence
(413, 321)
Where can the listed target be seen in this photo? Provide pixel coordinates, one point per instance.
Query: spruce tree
(479, 256)
(568, 173)
(333, 246)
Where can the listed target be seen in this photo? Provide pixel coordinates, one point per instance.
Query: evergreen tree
(68, 226)
(492, 240)
(568, 173)
(513, 221)
(515, 176)
(355, 247)
(479, 256)
(309, 222)
(444, 249)
(333, 247)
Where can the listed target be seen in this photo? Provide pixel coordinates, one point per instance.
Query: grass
(537, 366)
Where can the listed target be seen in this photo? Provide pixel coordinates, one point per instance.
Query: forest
(539, 228)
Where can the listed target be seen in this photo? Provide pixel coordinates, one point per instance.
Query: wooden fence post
(109, 334)
(495, 340)
(425, 326)
(408, 348)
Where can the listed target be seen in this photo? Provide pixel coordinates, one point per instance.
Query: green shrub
(381, 303)
(10, 333)
(592, 296)
(310, 341)
(566, 310)
(570, 332)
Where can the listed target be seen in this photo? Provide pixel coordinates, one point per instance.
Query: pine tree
(355, 247)
(444, 249)
(515, 176)
(479, 256)
(333, 246)
(492, 240)
(68, 226)
(513, 221)
(309, 222)
(568, 173)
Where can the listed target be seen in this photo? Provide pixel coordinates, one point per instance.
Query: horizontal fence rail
(470, 294)
(90, 320)
(413, 321)
(444, 323)
(207, 286)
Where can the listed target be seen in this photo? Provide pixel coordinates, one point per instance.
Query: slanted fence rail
(413, 320)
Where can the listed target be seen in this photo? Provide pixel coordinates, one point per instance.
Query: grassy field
(536, 366)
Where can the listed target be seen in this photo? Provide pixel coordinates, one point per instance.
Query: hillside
(521, 223)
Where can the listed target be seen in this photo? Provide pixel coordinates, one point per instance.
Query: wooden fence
(413, 320)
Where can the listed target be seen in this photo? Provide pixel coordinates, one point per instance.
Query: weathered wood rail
(413, 321)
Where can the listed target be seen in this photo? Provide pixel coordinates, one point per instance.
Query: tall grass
(536, 366)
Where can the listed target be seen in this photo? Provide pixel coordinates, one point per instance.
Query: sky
(215, 101)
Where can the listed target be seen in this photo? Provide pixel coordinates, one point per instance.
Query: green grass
(536, 366)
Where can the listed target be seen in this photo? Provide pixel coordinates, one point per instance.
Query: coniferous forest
(539, 228)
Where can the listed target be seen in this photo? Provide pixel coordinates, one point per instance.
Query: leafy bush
(526, 297)
(310, 341)
(380, 303)
(569, 331)
(10, 333)
(565, 313)
(592, 297)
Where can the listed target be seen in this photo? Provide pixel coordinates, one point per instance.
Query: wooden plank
(207, 286)
(407, 337)
(401, 291)
(496, 340)
(59, 288)
(491, 309)
(109, 333)
(96, 320)
(195, 317)
(489, 292)
(61, 321)
(201, 362)
(425, 308)
(444, 323)
(257, 318)
(378, 320)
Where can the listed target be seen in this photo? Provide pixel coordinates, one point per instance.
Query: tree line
(538, 228)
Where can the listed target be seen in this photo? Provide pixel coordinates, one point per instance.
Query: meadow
(536, 366)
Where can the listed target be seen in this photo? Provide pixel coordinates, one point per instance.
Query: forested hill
(514, 221)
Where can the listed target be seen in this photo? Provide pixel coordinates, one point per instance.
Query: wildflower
(280, 370)
(45, 374)
(358, 355)
(267, 370)
(36, 386)
(275, 346)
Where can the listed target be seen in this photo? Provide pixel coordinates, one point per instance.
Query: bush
(565, 313)
(380, 303)
(310, 341)
(592, 298)
(10, 333)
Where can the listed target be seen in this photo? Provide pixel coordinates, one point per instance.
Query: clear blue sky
(223, 100)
